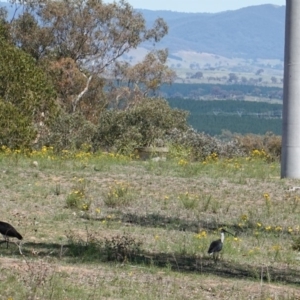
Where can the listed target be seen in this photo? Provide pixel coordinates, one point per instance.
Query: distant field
(212, 117)
(214, 125)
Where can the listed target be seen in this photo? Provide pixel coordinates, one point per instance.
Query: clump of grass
(38, 281)
(201, 242)
(121, 248)
(207, 203)
(57, 190)
(119, 194)
(268, 203)
(77, 198)
(296, 244)
(189, 200)
(87, 248)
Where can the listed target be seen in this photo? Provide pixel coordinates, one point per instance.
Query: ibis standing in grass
(216, 246)
(8, 231)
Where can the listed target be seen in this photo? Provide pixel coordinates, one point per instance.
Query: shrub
(140, 126)
(269, 143)
(121, 248)
(16, 129)
(201, 145)
(26, 97)
(68, 132)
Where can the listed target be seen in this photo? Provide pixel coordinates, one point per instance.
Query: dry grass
(174, 212)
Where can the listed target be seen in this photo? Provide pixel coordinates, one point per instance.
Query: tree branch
(77, 99)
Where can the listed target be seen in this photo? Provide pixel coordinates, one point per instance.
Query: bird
(8, 231)
(216, 246)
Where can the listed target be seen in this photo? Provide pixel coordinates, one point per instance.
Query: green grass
(147, 228)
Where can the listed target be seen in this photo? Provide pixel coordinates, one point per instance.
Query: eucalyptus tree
(79, 44)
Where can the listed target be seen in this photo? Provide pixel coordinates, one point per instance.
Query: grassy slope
(173, 208)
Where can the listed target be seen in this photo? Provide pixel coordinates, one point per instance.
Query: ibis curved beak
(228, 232)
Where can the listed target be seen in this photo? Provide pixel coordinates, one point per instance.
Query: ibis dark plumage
(8, 231)
(216, 246)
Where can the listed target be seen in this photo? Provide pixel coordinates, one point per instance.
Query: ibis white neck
(222, 237)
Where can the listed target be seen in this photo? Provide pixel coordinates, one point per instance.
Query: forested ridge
(250, 32)
(212, 117)
(220, 91)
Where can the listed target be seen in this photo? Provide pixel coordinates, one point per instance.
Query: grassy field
(105, 226)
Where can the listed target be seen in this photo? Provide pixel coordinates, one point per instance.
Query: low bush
(269, 143)
(201, 145)
(140, 126)
(68, 132)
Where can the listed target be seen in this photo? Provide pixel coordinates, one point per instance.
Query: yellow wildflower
(201, 235)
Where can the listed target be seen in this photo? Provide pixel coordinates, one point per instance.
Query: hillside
(249, 33)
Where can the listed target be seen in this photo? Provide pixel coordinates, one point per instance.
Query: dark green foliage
(16, 130)
(141, 125)
(296, 244)
(4, 26)
(26, 97)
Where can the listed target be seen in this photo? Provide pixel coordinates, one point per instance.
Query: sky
(210, 6)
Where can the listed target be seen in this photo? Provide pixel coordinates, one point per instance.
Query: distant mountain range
(250, 33)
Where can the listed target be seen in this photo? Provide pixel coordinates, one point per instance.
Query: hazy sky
(198, 5)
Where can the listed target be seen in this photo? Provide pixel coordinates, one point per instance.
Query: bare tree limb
(77, 99)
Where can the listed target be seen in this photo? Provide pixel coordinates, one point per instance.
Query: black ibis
(8, 231)
(216, 246)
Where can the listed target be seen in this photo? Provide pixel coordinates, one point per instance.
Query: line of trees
(243, 117)
(220, 91)
(62, 58)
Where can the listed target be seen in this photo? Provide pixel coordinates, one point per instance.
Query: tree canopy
(26, 96)
(69, 55)
(80, 41)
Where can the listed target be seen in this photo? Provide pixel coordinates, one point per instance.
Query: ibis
(216, 246)
(8, 231)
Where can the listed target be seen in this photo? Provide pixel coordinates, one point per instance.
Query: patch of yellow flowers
(118, 190)
(202, 234)
(260, 154)
(84, 154)
(213, 157)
